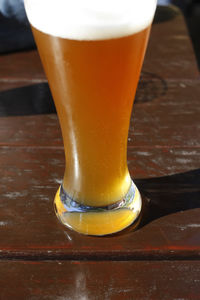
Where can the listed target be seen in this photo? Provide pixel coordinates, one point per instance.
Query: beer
(93, 69)
(97, 80)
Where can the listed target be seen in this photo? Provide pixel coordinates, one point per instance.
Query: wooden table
(40, 259)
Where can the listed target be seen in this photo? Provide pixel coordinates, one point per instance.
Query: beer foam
(90, 19)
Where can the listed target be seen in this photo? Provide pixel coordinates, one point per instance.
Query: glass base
(99, 221)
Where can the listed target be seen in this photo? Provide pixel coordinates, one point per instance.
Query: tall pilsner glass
(92, 52)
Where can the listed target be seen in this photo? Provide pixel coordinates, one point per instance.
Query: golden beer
(93, 83)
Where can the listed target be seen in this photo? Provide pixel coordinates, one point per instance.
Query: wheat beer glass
(92, 52)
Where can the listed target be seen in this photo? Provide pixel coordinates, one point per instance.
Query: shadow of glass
(169, 194)
(37, 99)
(29, 100)
(150, 87)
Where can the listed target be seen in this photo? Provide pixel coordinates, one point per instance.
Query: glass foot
(98, 220)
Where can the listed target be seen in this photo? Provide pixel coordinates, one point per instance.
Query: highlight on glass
(92, 53)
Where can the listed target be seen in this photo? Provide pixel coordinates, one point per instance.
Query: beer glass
(92, 52)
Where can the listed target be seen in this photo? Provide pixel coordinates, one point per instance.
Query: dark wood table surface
(40, 259)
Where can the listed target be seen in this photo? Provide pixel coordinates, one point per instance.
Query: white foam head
(90, 19)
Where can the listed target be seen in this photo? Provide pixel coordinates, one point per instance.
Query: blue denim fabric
(15, 33)
(13, 9)
(164, 2)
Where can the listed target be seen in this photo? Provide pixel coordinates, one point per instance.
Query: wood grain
(21, 66)
(165, 114)
(29, 228)
(40, 258)
(170, 53)
(83, 280)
